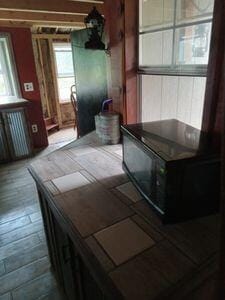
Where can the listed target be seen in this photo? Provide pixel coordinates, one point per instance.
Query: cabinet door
(63, 245)
(17, 132)
(4, 153)
(59, 251)
(90, 289)
(71, 272)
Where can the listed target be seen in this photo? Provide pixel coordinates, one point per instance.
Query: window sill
(65, 102)
(7, 102)
(167, 72)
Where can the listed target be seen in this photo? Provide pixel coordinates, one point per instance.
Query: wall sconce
(95, 23)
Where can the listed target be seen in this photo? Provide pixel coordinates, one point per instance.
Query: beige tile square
(129, 190)
(92, 208)
(70, 182)
(123, 240)
(119, 152)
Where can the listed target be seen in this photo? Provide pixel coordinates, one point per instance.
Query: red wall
(24, 57)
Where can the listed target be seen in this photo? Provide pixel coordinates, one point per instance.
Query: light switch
(28, 87)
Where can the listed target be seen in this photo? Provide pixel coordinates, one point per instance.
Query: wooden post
(214, 114)
(131, 61)
(123, 56)
(222, 248)
(41, 76)
(55, 84)
(212, 121)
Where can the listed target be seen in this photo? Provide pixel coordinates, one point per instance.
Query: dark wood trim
(123, 47)
(78, 7)
(214, 112)
(211, 121)
(131, 60)
(221, 100)
(114, 14)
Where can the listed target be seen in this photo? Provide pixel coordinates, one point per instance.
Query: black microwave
(174, 166)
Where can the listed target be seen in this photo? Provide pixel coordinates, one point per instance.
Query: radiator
(18, 133)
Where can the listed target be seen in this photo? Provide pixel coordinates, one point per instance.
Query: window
(64, 70)
(174, 36)
(8, 80)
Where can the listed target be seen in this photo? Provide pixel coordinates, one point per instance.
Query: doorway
(53, 57)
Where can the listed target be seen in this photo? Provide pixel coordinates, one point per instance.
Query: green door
(91, 80)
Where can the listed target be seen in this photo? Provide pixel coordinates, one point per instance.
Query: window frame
(57, 74)
(10, 63)
(193, 70)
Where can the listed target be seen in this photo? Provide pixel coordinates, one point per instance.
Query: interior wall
(24, 58)
(167, 97)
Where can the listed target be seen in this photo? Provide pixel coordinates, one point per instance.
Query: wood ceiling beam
(51, 36)
(13, 23)
(53, 6)
(39, 17)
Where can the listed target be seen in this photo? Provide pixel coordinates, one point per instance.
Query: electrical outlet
(34, 128)
(28, 87)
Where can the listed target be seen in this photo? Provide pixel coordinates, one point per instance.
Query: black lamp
(94, 23)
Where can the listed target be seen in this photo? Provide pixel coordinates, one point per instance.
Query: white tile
(70, 182)
(123, 240)
(185, 90)
(169, 97)
(166, 97)
(198, 101)
(151, 96)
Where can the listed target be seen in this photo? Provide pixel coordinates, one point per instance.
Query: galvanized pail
(108, 127)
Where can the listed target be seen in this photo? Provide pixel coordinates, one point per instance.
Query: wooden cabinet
(90, 290)
(105, 242)
(14, 134)
(70, 269)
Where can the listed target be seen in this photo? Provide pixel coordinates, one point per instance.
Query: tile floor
(25, 272)
(63, 135)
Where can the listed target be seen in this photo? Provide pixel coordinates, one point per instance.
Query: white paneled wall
(178, 97)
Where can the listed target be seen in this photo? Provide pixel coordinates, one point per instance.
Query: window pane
(193, 10)
(192, 44)
(8, 79)
(64, 85)
(64, 62)
(3, 91)
(156, 48)
(156, 13)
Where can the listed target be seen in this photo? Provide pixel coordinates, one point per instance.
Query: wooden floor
(24, 265)
(63, 135)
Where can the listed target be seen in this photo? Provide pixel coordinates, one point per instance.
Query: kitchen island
(104, 240)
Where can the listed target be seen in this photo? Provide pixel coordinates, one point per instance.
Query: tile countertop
(143, 258)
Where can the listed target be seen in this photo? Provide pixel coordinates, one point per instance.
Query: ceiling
(46, 13)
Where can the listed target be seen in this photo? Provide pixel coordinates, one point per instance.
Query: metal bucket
(108, 127)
